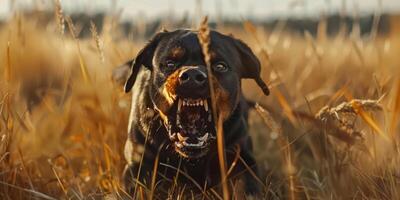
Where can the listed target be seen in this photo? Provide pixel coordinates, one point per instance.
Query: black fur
(148, 138)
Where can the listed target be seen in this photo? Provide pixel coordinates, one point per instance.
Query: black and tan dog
(172, 136)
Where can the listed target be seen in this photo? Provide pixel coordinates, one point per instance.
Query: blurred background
(299, 15)
(329, 129)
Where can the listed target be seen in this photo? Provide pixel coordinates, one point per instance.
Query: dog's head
(180, 87)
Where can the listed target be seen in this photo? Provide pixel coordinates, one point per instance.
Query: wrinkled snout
(193, 82)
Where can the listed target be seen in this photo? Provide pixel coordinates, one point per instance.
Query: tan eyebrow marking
(177, 52)
(213, 55)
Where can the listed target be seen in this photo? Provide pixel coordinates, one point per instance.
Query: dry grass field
(329, 129)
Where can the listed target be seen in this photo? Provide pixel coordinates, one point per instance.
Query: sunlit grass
(63, 121)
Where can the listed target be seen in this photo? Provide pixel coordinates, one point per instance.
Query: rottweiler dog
(172, 135)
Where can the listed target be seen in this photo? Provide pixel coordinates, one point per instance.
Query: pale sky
(132, 9)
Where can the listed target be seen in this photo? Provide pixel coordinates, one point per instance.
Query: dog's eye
(170, 64)
(220, 67)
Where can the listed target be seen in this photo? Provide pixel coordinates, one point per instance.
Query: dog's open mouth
(190, 126)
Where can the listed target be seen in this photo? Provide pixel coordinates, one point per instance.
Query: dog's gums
(190, 127)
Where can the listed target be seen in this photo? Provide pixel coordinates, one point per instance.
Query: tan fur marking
(163, 116)
(177, 52)
(213, 55)
(222, 98)
(169, 88)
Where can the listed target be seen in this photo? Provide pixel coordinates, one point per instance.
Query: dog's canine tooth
(178, 144)
(181, 138)
(172, 136)
(203, 138)
(201, 102)
(205, 105)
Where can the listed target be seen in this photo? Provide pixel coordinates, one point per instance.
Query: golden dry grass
(63, 121)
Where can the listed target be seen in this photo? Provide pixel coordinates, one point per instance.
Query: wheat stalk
(286, 153)
(205, 40)
(82, 63)
(345, 114)
(59, 17)
(97, 40)
(7, 74)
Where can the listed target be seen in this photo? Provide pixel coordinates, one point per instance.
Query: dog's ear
(144, 57)
(251, 67)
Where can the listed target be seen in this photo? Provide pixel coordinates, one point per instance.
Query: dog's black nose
(192, 77)
(193, 82)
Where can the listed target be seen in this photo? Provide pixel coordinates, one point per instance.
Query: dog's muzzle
(190, 124)
(193, 83)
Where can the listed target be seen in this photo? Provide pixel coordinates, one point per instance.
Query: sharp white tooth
(205, 105)
(197, 103)
(203, 138)
(199, 144)
(181, 138)
(170, 132)
(201, 103)
(178, 144)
